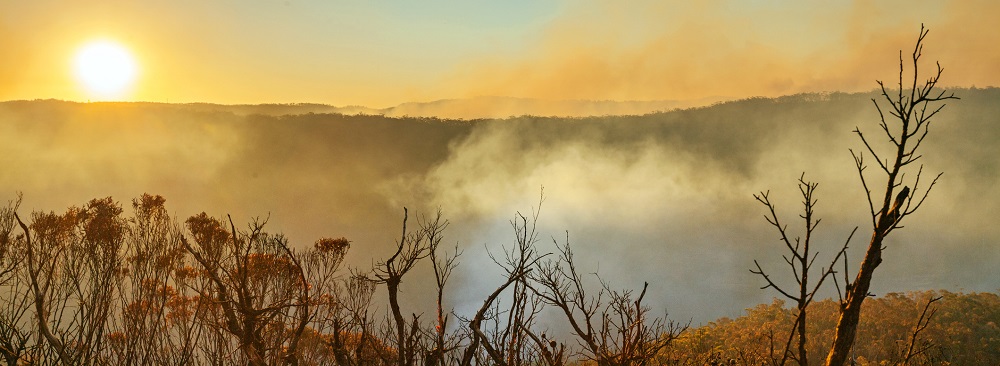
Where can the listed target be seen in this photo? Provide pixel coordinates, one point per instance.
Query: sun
(105, 68)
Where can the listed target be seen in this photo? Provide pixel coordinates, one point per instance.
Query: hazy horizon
(485, 107)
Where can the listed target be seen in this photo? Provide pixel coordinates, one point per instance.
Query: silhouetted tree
(444, 264)
(410, 249)
(15, 304)
(800, 258)
(616, 331)
(499, 339)
(914, 347)
(911, 108)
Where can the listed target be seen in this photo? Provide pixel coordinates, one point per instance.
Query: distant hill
(503, 107)
(282, 109)
(467, 108)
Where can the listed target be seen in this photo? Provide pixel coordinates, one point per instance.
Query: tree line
(94, 285)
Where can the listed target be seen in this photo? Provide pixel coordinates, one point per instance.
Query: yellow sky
(384, 53)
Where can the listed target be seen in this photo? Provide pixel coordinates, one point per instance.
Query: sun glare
(105, 68)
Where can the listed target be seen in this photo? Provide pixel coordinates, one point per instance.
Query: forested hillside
(963, 329)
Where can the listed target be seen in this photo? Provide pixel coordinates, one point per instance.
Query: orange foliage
(209, 233)
(326, 245)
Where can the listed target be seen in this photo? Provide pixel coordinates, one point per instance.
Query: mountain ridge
(482, 107)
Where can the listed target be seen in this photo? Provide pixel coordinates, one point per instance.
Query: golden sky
(382, 53)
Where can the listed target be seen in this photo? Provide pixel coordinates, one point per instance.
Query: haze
(664, 198)
(326, 116)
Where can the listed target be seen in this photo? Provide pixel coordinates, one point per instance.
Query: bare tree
(618, 331)
(911, 108)
(443, 268)
(800, 259)
(914, 348)
(512, 319)
(503, 342)
(15, 301)
(410, 249)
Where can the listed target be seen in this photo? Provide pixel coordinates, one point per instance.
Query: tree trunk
(847, 325)
(402, 348)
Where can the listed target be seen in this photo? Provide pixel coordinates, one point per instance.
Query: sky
(384, 53)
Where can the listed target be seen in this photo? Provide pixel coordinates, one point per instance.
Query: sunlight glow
(105, 68)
